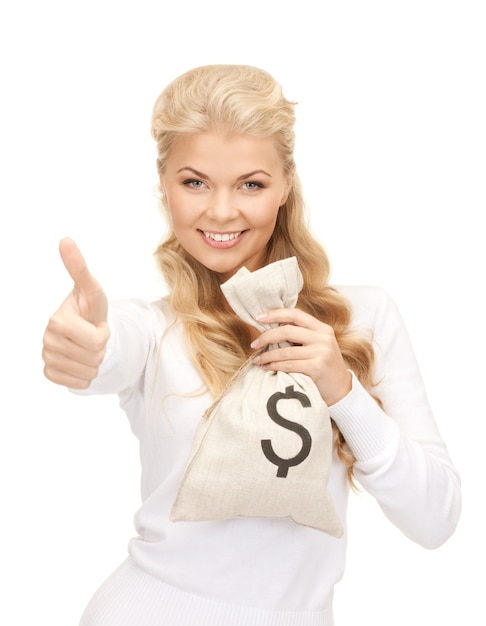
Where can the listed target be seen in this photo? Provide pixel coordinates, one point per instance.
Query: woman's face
(223, 194)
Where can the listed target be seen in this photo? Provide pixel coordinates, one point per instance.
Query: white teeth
(221, 236)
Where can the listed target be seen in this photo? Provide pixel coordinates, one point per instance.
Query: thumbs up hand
(76, 335)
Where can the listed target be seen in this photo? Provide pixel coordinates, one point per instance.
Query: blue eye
(251, 185)
(193, 183)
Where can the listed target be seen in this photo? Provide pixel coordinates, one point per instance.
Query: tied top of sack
(275, 286)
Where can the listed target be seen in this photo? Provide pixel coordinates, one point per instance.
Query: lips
(221, 236)
(222, 240)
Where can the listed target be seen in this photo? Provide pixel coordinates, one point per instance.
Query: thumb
(90, 297)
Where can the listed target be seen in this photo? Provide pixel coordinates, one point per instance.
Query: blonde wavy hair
(240, 99)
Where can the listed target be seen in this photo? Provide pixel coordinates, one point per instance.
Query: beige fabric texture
(264, 448)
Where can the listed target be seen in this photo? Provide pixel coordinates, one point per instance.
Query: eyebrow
(201, 175)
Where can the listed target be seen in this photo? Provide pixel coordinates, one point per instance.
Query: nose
(221, 207)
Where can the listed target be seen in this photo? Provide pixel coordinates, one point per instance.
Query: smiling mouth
(222, 236)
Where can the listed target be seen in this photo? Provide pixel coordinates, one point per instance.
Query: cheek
(178, 221)
(178, 211)
(267, 215)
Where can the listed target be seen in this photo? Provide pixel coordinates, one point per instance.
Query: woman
(228, 182)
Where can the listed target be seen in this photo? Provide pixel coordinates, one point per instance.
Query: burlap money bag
(264, 448)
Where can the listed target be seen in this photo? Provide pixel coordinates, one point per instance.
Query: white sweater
(259, 568)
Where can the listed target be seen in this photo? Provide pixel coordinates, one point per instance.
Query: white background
(391, 150)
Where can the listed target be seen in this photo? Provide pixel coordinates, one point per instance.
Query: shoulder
(140, 318)
(375, 315)
(370, 305)
(140, 310)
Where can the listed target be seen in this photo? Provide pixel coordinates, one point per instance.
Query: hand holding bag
(264, 448)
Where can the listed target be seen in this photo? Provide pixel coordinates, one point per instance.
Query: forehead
(218, 149)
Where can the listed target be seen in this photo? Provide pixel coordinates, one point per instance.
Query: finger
(65, 379)
(288, 353)
(290, 366)
(76, 266)
(77, 330)
(291, 316)
(91, 299)
(56, 362)
(287, 333)
(54, 344)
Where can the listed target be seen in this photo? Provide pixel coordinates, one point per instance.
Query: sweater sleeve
(401, 459)
(132, 336)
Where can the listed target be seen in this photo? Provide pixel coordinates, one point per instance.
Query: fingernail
(261, 316)
(254, 344)
(256, 360)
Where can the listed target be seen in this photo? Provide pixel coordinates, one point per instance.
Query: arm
(401, 459)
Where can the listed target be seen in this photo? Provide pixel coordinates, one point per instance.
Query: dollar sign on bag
(284, 464)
